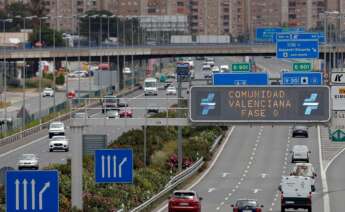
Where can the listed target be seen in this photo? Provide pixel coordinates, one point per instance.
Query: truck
(151, 86)
(296, 193)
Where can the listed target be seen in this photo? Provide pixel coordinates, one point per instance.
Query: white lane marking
(218, 208)
(211, 189)
(222, 203)
(225, 174)
(229, 194)
(256, 190)
(226, 198)
(326, 203)
(264, 175)
(23, 146)
(208, 169)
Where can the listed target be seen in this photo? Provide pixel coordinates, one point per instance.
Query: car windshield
(48, 89)
(56, 125)
(150, 84)
(58, 138)
(27, 157)
(244, 203)
(171, 88)
(184, 195)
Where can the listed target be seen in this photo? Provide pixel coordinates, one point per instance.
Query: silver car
(28, 161)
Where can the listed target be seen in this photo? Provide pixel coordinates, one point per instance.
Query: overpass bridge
(154, 51)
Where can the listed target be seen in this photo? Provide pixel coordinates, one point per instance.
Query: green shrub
(34, 83)
(60, 80)
(49, 76)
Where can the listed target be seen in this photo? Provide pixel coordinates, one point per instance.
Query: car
(77, 74)
(127, 70)
(171, 90)
(305, 170)
(28, 161)
(59, 143)
(56, 128)
(184, 200)
(126, 113)
(48, 92)
(79, 115)
(215, 69)
(112, 114)
(247, 205)
(300, 153)
(200, 57)
(275, 83)
(300, 131)
(152, 109)
(224, 68)
(71, 94)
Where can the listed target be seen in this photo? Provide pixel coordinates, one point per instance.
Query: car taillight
(194, 203)
(309, 199)
(258, 210)
(235, 209)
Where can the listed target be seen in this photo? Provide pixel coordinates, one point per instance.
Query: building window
(151, 10)
(180, 4)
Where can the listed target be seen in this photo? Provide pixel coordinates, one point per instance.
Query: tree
(48, 36)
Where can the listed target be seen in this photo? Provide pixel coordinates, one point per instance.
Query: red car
(126, 113)
(185, 201)
(71, 94)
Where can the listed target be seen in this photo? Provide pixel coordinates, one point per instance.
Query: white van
(151, 86)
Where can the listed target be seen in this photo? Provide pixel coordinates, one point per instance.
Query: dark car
(152, 109)
(246, 205)
(300, 131)
(185, 201)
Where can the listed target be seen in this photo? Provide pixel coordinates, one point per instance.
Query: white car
(58, 143)
(28, 161)
(224, 68)
(77, 74)
(127, 70)
(56, 128)
(113, 114)
(215, 69)
(171, 90)
(48, 92)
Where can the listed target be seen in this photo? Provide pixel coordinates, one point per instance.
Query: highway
(336, 183)
(250, 165)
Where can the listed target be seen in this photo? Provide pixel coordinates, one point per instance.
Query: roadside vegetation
(162, 165)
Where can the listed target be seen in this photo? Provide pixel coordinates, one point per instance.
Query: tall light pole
(40, 71)
(5, 76)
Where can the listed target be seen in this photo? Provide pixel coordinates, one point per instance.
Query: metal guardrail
(141, 207)
(38, 128)
(178, 179)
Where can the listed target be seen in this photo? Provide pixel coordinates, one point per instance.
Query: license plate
(184, 204)
(289, 202)
(247, 211)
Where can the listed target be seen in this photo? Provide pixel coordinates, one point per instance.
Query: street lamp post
(40, 71)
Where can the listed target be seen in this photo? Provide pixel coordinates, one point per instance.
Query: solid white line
(23, 146)
(325, 196)
(208, 169)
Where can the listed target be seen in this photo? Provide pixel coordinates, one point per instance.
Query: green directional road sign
(302, 67)
(338, 136)
(241, 67)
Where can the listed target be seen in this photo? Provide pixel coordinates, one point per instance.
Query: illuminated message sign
(259, 104)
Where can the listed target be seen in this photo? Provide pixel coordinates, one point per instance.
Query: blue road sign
(302, 78)
(252, 78)
(114, 166)
(320, 36)
(182, 69)
(32, 191)
(268, 34)
(297, 49)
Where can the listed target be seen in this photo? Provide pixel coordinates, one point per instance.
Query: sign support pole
(179, 128)
(77, 167)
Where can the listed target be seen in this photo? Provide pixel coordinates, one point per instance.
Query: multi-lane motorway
(250, 164)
